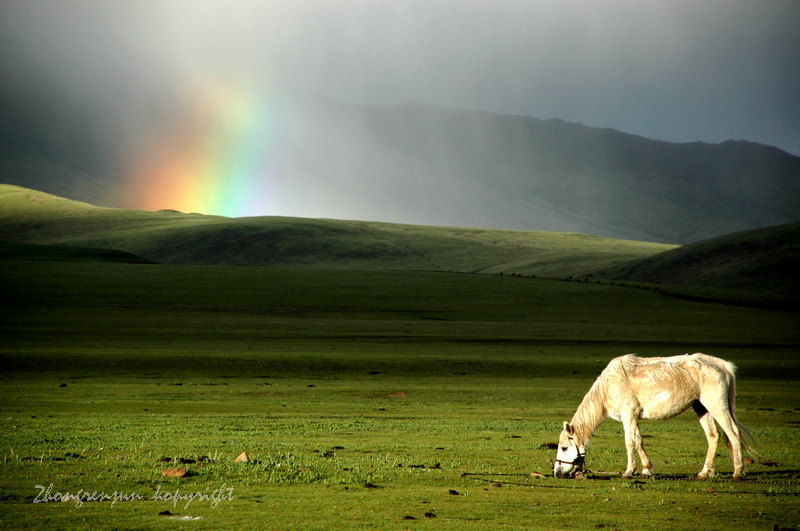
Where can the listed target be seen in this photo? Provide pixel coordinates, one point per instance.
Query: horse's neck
(590, 414)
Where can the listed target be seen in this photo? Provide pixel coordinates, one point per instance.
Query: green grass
(335, 382)
(315, 449)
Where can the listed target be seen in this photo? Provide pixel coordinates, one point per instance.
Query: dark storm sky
(672, 70)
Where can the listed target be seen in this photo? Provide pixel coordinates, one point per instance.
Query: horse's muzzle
(568, 469)
(566, 472)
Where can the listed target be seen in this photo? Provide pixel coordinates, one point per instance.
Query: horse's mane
(592, 411)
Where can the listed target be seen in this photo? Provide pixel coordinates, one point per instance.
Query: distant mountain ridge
(429, 165)
(472, 168)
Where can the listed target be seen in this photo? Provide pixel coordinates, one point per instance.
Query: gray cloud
(674, 70)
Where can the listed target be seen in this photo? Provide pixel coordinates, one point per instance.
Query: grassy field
(365, 399)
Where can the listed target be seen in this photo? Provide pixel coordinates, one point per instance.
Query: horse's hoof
(627, 476)
(737, 479)
(646, 474)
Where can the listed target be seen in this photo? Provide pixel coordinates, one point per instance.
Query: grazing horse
(632, 388)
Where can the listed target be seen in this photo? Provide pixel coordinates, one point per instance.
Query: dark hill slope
(764, 260)
(27, 216)
(61, 253)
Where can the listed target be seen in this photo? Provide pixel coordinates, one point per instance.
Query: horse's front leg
(630, 445)
(647, 466)
(633, 443)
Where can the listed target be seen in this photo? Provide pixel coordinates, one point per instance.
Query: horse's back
(664, 386)
(631, 364)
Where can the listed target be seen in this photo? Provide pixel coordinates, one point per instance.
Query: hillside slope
(764, 260)
(32, 217)
(61, 253)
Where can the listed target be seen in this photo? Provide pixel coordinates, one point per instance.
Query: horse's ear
(568, 428)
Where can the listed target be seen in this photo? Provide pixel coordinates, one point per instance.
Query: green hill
(32, 217)
(763, 260)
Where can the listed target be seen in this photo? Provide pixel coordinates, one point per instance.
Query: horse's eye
(564, 448)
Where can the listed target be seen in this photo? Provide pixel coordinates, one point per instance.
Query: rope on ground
(546, 481)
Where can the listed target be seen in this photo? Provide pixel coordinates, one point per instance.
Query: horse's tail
(747, 440)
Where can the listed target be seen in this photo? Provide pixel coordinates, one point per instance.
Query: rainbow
(218, 154)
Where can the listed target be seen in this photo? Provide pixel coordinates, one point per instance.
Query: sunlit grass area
(368, 450)
(364, 399)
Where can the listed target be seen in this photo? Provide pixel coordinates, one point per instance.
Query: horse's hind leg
(707, 422)
(721, 412)
(734, 443)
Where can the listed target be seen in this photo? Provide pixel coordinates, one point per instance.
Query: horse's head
(570, 456)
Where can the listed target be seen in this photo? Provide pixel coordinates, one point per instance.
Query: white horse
(632, 388)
